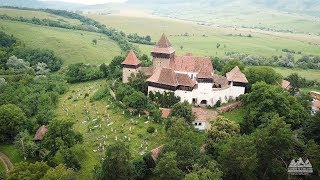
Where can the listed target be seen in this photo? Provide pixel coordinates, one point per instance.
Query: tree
(30, 171)
(69, 157)
(312, 151)
(275, 148)
(217, 63)
(180, 139)
(296, 82)
(209, 171)
(117, 162)
(94, 41)
(25, 143)
(232, 64)
(42, 69)
(238, 157)
(262, 74)
(220, 130)
(104, 69)
(139, 82)
(313, 128)
(265, 101)
(165, 99)
(59, 173)
(140, 169)
(123, 91)
(167, 167)
(6, 40)
(15, 63)
(12, 120)
(183, 110)
(60, 135)
(115, 69)
(137, 100)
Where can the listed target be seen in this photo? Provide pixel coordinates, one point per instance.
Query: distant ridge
(41, 4)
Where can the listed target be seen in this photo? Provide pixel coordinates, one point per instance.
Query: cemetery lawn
(2, 168)
(98, 113)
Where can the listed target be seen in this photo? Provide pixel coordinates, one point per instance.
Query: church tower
(130, 65)
(162, 53)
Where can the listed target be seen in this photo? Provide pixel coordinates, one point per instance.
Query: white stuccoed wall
(206, 92)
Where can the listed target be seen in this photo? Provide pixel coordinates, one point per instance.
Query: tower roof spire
(163, 46)
(131, 60)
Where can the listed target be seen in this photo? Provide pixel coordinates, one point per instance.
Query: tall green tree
(167, 167)
(265, 101)
(59, 173)
(60, 135)
(209, 171)
(232, 64)
(183, 110)
(25, 143)
(117, 162)
(12, 120)
(262, 74)
(136, 100)
(139, 82)
(221, 129)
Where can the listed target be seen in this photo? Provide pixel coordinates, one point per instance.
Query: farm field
(309, 74)
(202, 40)
(71, 45)
(107, 123)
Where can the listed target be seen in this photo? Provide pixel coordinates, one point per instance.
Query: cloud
(89, 1)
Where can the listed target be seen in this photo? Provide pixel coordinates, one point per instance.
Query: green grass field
(71, 45)
(37, 14)
(308, 74)
(12, 152)
(259, 44)
(2, 168)
(114, 124)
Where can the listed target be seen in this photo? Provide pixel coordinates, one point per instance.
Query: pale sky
(89, 1)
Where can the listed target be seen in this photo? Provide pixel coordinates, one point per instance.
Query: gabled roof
(155, 152)
(201, 65)
(165, 112)
(316, 104)
(40, 133)
(164, 76)
(131, 60)
(286, 85)
(148, 71)
(163, 46)
(220, 80)
(235, 75)
(168, 77)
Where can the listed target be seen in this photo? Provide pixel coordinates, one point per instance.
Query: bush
(151, 129)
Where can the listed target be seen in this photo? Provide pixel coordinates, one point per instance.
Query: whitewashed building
(190, 77)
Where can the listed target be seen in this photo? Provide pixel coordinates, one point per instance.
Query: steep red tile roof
(164, 76)
(220, 81)
(40, 133)
(316, 104)
(165, 112)
(168, 77)
(286, 85)
(201, 65)
(163, 46)
(155, 152)
(203, 114)
(185, 80)
(131, 60)
(148, 71)
(235, 75)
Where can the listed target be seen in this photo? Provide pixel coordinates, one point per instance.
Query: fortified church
(190, 77)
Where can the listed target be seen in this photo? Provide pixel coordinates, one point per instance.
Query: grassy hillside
(37, 14)
(72, 46)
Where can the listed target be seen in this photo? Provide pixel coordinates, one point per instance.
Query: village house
(191, 78)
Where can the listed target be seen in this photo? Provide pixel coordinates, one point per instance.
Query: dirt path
(6, 161)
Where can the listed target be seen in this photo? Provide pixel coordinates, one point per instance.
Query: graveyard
(103, 123)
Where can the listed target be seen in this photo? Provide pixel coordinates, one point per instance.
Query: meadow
(202, 40)
(71, 45)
